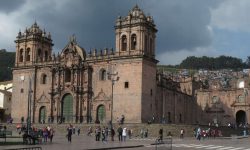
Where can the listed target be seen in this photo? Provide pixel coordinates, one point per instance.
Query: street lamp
(113, 77)
(29, 108)
(245, 98)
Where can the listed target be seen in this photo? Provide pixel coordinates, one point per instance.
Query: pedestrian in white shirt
(124, 134)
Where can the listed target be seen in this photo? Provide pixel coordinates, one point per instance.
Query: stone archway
(241, 117)
(100, 114)
(42, 114)
(67, 108)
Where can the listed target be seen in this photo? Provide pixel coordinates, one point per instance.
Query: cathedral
(110, 85)
(76, 86)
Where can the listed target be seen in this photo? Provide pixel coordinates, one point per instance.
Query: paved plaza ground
(83, 142)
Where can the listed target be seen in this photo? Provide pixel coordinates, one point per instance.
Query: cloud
(10, 5)
(232, 15)
(176, 57)
(182, 25)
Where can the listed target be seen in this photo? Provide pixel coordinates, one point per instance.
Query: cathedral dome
(34, 29)
(136, 12)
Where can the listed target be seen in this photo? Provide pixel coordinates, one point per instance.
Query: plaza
(83, 142)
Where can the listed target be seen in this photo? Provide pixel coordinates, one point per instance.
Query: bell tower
(33, 46)
(135, 34)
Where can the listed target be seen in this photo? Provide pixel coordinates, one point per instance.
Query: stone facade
(76, 86)
(224, 99)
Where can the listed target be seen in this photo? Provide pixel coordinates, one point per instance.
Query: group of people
(41, 135)
(206, 133)
(105, 132)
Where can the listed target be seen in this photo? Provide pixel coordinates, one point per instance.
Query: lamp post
(245, 98)
(29, 108)
(113, 77)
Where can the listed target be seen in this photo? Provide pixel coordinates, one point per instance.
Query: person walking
(70, 131)
(103, 134)
(161, 135)
(112, 134)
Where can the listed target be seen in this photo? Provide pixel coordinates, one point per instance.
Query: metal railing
(26, 148)
(164, 144)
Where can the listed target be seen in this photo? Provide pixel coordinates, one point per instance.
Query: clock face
(22, 78)
(215, 99)
(241, 84)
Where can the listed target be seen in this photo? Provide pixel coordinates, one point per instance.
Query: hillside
(7, 61)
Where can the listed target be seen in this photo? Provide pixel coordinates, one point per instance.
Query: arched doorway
(240, 117)
(100, 114)
(42, 114)
(67, 108)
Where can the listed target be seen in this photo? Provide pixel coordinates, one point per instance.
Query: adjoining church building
(82, 87)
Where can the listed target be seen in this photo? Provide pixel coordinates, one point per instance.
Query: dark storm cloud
(7, 6)
(182, 24)
(91, 21)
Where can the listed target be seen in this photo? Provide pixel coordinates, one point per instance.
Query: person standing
(78, 131)
(112, 134)
(161, 135)
(124, 134)
(51, 134)
(119, 130)
(182, 133)
(98, 133)
(70, 131)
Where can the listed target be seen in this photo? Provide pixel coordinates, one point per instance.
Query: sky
(185, 27)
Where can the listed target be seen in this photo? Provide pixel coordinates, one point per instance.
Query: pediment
(237, 103)
(43, 99)
(101, 96)
(72, 50)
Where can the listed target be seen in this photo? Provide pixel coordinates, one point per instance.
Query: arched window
(101, 115)
(102, 74)
(21, 55)
(133, 42)
(46, 55)
(124, 43)
(67, 75)
(169, 117)
(180, 118)
(151, 45)
(43, 79)
(146, 44)
(28, 54)
(39, 54)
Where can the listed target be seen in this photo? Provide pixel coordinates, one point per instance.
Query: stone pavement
(81, 142)
(84, 142)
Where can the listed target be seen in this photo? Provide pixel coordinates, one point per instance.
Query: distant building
(5, 100)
